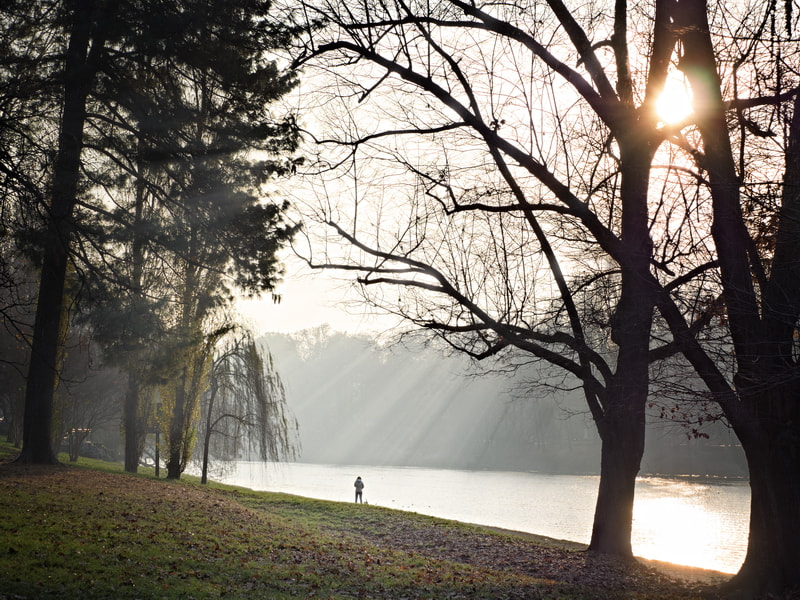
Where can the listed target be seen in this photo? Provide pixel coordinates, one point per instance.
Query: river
(692, 522)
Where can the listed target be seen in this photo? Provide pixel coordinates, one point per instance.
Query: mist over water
(701, 524)
(357, 403)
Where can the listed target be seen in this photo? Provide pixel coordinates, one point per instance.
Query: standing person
(359, 488)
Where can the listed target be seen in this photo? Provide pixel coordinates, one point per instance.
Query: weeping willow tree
(181, 394)
(244, 412)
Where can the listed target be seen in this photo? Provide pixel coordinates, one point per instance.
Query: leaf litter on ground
(71, 530)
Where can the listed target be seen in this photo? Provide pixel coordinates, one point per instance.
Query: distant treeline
(358, 403)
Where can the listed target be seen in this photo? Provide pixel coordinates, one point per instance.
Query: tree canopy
(161, 120)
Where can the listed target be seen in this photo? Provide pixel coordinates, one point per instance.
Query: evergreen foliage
(161, 117)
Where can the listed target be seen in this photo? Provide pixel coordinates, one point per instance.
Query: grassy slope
(90, 531)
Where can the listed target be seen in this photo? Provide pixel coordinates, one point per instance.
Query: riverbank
(81, 532)
(697, 521)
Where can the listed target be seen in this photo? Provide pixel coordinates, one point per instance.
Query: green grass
(91, 531)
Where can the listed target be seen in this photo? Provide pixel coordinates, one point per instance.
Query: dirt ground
(681, 572)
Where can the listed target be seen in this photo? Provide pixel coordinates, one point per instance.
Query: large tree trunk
(613, 517)
(763, 410)
(622, 431)
(622, 425)
(773, 549)
(50, 320)
(41, 381)
(770, 429)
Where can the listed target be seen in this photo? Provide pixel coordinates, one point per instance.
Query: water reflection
(691, 523)
(685, 522)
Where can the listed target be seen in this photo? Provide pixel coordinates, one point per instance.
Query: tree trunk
(622, 431)
(50, 319)
(175, 450)
(622, 424)
(75, 442)
(131, 414)
(621, 456)
(137, 258)
(208, 429)
(773, 549)
(770, 430)
(764, 411)
(206, 444)
(38, 416)
(15, 420)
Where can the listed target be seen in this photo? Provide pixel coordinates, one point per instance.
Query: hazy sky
(310, 299)
(305, 303)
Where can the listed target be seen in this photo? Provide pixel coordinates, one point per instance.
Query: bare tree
(244, 409)
(526, 220)
(574, 175)
(737, 146)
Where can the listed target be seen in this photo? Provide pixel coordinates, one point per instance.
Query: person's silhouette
(359, 488)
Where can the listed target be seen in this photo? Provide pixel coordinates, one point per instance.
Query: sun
(675, 102)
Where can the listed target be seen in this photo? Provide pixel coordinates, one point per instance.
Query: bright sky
(310, 299)
(305, 303)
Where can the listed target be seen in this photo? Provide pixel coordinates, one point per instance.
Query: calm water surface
(685, 522)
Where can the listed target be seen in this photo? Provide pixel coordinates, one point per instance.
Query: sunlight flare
(675, 102)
